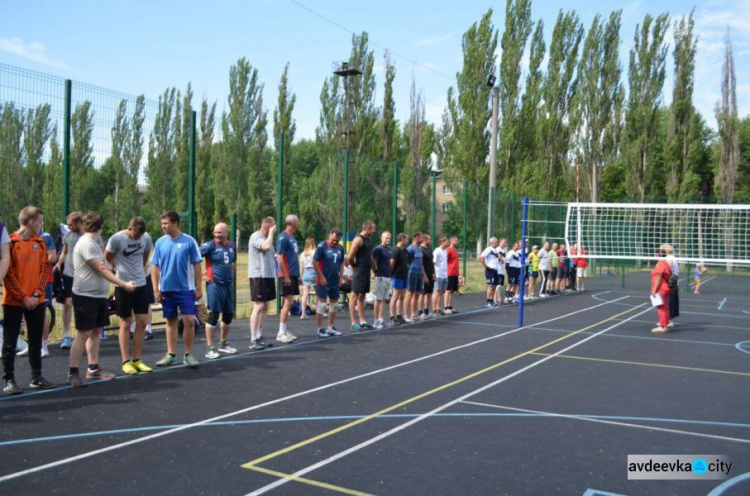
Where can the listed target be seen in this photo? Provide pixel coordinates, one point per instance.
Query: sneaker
(167, 360)
(211, 353)
(659, 330)
(45, 352)
(292, 337)
(255, 345)
(148, 335)
(225, 348)
(41, 383)
(670, 325)
(366, 326)
(378, 325)
(356, 328)
(262, 341)
(400, 320)
(332, 332)
(284, 338)
(11, 387)
(190, 361)
(99, 374)
(128, 368)
(422, 316)
(407, 320)
(322, 333)
(75, 380)
(488, 305)
(66, 343)
(142, 367)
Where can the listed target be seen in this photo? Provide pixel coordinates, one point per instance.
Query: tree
(36, 134)
(120, 137)
(11, 162)
(205, 195)
(388, 125)
(283, 123)
(83, 193)
(598, 101)
(646, 73)
(161, 156)
(52, 187)
(416, 184)
(728, 128)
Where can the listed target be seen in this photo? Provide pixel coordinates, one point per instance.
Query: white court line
(424, 416)
(610, 422)
(723, 314)
(156, 435)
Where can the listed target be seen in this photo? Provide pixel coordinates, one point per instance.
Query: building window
(446, 207)
(447, 190)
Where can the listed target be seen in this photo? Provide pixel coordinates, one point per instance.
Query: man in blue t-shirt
(329, 264)
(221, 264)
(416, 278)
(176, 277)
(287, 261)
(381, 266)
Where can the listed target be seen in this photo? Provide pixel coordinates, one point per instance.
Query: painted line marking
(646, 364)
(721, 488)
(722, 303)
(723, 315)
(309, 482)
(401, 427)
(610, 422)
(597, 492)
(157, 435)
(743, 346)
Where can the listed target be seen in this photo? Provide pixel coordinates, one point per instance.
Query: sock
(93, 366)
(282, 328)
(126, 361)
(66, 334)
(222, 344)
(187, 355)
(136, 360)
(44, 343)
(132, 327)
(73, 370)
(173, 355)
(148, 327)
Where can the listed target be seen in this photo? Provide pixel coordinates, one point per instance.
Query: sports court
(465, 404)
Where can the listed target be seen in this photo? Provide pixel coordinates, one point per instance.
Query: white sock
(132, 327)
(148, 327)
(282, 328)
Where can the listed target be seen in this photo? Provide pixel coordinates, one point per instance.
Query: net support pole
(493, 163)
(434, 203)
(394, 204)
(191, 178)
(346, 198)
(280, 203)
(466, 204)
(521, 281)
(66, 151)
(233, 239)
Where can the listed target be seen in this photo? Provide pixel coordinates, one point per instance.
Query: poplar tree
(205, 194)
(36, 134)
(728, 124)
(162, 156)
(13, 186)
(52, 188)
(283, 122)
(82, 185)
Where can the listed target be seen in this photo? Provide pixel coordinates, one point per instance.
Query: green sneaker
(190, 361)
(167, 360)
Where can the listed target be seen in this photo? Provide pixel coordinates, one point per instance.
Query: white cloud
(434, 40)
(34, 51)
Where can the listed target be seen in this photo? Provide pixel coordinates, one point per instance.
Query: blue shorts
(48, 294)
(399, 283)
(174, 300)
(219, 298)
(331, 291)
(416, 283)
(309, 277)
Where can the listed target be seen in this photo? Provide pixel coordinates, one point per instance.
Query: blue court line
(721, 488)
(301, 342)
(334, 418)
(721, 304)
(744, 346)
(597, 492)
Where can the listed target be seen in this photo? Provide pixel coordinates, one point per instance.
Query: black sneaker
(41, 383)
(11, 387)
(255, 345)
(262, 341)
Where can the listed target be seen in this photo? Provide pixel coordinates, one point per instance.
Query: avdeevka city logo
(673, 467)
(700, 466)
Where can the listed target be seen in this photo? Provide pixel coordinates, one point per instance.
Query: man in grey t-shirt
(262, 273)
(75, 231)
(544, 261)
(129, 250)
(90, 290)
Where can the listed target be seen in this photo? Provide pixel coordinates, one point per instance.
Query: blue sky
(138, 46)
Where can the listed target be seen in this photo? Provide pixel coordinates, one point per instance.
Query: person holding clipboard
(660, 289)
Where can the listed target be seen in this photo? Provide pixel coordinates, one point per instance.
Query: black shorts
(452, 283)
(262, 289)
(361, 280)
(429, 286)
(67, 290)
(513, 274)
(500, 279)
(291, 290)
(552, 274)
(490, 277)
(132, 303)
(90, 313)
(150, 289)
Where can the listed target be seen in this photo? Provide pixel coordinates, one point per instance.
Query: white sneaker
(378, 324)
(45, 352)
(292, 337)
(284, 338)
(227, 349)
(422, 316)
(408, 320)
(22, 349)
(211, 353)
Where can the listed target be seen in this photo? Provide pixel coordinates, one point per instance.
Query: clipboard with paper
(656, 300)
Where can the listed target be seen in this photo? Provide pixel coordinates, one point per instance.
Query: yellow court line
(418, 397)
(645, 364)
(309, 482)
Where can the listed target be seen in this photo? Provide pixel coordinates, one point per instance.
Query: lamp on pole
(493, 156)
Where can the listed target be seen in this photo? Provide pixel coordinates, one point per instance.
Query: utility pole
(493, 159)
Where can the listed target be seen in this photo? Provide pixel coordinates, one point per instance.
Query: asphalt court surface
(467, 404)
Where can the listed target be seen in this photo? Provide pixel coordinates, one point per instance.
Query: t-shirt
(663, 271)
(382, 255)
(86, 281)
(533, 260)
(50, 242)
(260, 264)
(219, 260)
(583, 262)
(562, 258)
(306, 261)
(429, 265)
(128, 254)
(543, 259)
(401, 263)
(176, 259)
(415, 259)
(4, 238)
(552, 259)
(501, 261)
(286, 246)
(490, 257)
(363, 257)
(440, 258)
(329, 259)
(70, 239)
(514, 259)
(28, 269)
(453, 269)
(697, 273)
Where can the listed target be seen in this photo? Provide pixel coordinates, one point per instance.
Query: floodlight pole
(493, 163)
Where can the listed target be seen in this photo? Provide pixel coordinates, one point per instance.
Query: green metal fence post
(394, 204)
(466, 203)
(434, 203)
(280, 205)
(66, 151)
(233, 238)
(191, 178)
(346, 198)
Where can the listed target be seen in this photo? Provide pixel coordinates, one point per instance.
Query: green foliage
(12, 155)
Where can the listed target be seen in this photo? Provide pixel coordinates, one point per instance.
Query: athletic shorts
(442, 284)
(429, 287)
(49, 294)
(553, 274)
(582, 272)
(535, 274)
(262, 289)
(172, 301)
(67, 286)
(490, 277)
(513, 274)
(500, 280)
(150, 287)
(415, 283)
(219, 298)
(292, 289)
(382, 288)
(131, 303)
(309, 277)
(452, 283)
(361, 280)
(329, 291)
(90, 313)
(399, 283)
